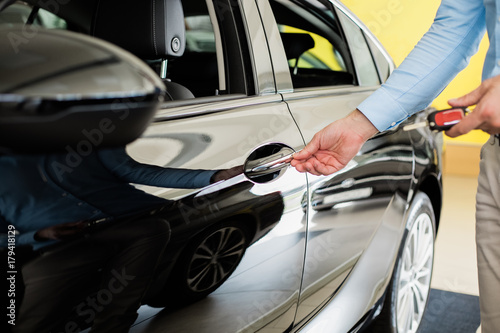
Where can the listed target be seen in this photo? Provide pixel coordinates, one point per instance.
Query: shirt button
(65, 194)
(80, 203)
(499, 18)
(393, 124)
(498, 62)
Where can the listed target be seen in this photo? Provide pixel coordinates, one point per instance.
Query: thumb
(471, 98)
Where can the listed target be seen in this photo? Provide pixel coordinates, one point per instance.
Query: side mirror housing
(59, 89)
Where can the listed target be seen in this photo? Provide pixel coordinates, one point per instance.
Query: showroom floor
(455, 258)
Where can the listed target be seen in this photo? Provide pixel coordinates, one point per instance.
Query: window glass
(383, 65)
(214, 61)
(51, 21)
(200, 35)
(317, 54)
(19, 13)
(197, 68)
(366, 70)
(322, 55)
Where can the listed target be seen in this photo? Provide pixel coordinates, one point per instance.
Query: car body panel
(216, 142)
(348, 210)
(319, 250)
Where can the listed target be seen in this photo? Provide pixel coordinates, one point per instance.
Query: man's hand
(60, 231)
(335, 145)
(486, 115)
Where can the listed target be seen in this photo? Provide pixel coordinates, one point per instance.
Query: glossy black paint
(268, 248)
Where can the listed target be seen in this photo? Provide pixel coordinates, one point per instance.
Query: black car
(247, 83)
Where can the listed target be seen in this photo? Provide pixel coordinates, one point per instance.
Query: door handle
(268, 162)
(273, 165)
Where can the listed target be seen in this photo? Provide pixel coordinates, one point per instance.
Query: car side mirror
(61, 89)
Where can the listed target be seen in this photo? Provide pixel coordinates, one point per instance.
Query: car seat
(295, 45)
(151, 30)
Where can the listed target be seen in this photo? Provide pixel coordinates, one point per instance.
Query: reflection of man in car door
(48, 201)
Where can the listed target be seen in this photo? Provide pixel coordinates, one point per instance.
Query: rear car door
(331, 63)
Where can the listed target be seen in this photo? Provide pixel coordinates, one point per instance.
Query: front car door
(235, 120)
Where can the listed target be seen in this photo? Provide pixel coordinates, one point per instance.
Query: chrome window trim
(343, 90)
(381, 48)
(342, 8)
(218, 45)
(275, 48)
(211, 104)
(259, 50)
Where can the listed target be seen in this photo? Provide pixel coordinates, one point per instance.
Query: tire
(205, 264)
(408, 291)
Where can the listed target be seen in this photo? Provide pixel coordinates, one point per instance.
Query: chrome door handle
(273, 165)
(268, 162)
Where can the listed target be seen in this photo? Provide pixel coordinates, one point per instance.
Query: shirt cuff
(204, 178)
(383, 111)
(26, 238)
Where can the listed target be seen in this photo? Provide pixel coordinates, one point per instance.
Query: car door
(235, 120)
(332, 70)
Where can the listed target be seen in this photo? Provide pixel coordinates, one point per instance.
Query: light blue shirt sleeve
(438, 57)
(27, 238)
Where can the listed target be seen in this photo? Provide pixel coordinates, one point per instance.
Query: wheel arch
(432, 186)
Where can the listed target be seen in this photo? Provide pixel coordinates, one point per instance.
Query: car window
(215, 59)
(197, 69)
(20, 12)
(381, 59)
(51, 21)
(317, 53)
(200, 35)
(365, 66)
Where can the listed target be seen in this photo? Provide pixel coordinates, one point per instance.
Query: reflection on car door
(347, 208)
(264, 288)
(220, 133)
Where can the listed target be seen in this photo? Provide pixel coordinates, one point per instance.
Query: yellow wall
(399, 24)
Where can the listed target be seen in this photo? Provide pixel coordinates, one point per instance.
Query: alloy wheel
(415, 276)
(215, 258)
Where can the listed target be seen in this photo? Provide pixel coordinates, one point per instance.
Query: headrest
(150, 29)
(296, 43)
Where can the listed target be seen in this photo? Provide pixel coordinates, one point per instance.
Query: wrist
(37, 237)
(362, 125)
(214, 178)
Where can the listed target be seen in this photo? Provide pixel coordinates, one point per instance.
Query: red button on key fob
(443, 120)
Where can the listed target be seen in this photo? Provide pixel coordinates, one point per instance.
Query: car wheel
(409, 288)
(211, 260)
(205, 264)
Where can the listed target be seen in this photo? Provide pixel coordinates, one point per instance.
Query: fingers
(308, 151)
(304, 165)
(476, 119)
(486, 115)
(469, 99)
(324, 169)
(464, 126)
(301, 166)
(303, 161)
(314, 167)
